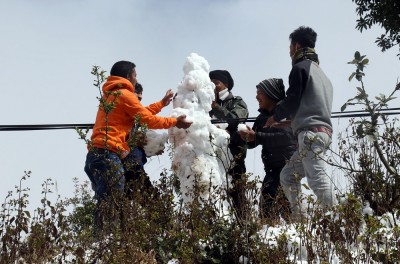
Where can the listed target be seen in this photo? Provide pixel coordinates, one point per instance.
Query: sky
(48, 48)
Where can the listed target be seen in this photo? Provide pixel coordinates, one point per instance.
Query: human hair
(122, 68)
(304, 36)
(138, 88)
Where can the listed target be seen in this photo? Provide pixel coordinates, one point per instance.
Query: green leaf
(360, 130)
(365, 61)
(343, 107)
(351, 76)
(357, 55)
(371, 138)
(353, 62)
(390, 99)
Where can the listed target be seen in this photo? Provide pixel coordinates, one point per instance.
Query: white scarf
(223, 94)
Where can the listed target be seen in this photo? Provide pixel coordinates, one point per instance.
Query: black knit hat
(222, 76)
(274, 88)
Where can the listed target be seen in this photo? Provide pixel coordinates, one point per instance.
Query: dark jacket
(232, 107)
(278, 144)
(308, 101)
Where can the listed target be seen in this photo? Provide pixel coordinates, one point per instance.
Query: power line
(345, 114)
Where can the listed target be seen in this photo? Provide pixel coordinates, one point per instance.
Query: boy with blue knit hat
(229, 107)
(278, 145)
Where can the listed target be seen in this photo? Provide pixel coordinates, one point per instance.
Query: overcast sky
(48, 48)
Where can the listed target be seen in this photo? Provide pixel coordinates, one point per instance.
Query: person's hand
(182, 123)
(168, 97)
(214, 103)
(143, 142)
(247, 135)
(270, 121)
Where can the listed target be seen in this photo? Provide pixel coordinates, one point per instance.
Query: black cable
(346, 114)
(44, 127)
(363, 111)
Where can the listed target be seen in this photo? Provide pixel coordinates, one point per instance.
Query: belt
(315, 129)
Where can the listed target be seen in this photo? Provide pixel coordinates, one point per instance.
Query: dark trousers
(273, 201)
(239, 178)
(137, 182)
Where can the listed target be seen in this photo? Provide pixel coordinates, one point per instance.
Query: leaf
(392, 170)
(343, 107)
(25, 228)
(353, 62)
(306, 186)
(27, 213)
(390, 99)
(360, 130)
(365, 61)
(351, 76)
(370, 138)
(357, 55)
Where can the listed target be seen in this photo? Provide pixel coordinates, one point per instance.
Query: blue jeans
(307, 161)
(105, 171)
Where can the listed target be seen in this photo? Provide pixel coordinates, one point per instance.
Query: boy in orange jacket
(115, 118)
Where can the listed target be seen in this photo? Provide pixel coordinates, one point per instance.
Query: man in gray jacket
(308, 105)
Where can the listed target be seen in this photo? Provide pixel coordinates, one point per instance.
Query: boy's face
(263, 99)
(132, 77)
(219, 86)
(293, 48)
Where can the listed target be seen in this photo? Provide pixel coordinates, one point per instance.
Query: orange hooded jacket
(121, 119)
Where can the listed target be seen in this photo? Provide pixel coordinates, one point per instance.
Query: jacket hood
(117, 83)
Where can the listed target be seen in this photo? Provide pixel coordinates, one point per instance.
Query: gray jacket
(308, 101)
(230, 108)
